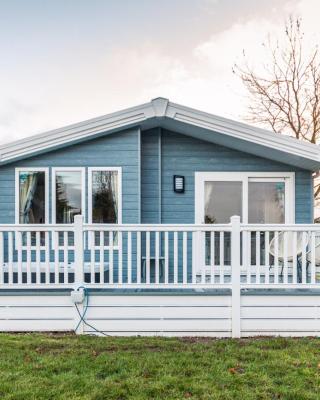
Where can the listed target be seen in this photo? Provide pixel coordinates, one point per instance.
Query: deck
(187, 279)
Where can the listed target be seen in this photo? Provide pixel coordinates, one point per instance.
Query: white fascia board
(75, 132)
(244, 132)
(154, 111)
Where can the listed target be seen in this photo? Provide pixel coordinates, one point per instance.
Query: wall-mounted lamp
(178, 183)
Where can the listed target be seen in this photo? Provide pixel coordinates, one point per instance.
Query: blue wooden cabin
(156, 186)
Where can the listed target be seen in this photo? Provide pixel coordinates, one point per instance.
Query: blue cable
(82, 316)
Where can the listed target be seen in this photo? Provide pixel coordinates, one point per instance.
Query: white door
(261, 198)
(258, 198)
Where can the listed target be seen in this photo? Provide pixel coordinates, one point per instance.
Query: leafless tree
(285, 95)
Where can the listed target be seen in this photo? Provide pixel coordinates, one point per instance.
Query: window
(105, 195)
(266, 202)
(104, 192)
(104, 199)
(31, 196)
(258, 197)
(67, 194)
(222, 200)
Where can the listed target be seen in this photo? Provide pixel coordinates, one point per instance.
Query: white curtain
(27, 190)
(114, 189)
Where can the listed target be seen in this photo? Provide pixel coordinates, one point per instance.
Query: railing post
(235, 276)
(78, 251)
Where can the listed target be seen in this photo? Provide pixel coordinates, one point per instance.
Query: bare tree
(285, 95)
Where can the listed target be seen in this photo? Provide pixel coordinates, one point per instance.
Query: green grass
(70, 367)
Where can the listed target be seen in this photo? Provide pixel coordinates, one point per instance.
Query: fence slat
(313, 258)
(221, 256)
(185, 258)
(195, 259)
(276, 257)
(166, 258)
(29, 258)
(92, 239)
(147, 263)
(129, 256)
(10, 257)
(212, 256)
(120, 258)
(56, 257)
(38, 259)
(285, 257)
(157, 254)
(138, 257)
(294, 258)
(267, 257)
(248, 256)
(175, 257)
(258, 257)
(65, 257)
(1, 258)
(101, 257)
(47, 257)
(304, 257)
(110, 257)
(19, 255)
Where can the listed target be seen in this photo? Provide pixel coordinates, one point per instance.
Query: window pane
(222, 201)
(32, 197)
(68, 196)
(266, 203)
(105, 197)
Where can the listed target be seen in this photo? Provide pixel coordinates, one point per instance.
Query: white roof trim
(161, 108)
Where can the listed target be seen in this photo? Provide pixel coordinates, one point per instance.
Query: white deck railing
(160, 256)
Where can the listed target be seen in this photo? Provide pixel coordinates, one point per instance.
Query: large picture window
(67, 194)
(31, 196)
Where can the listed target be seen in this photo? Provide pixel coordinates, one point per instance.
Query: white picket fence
(161, 256)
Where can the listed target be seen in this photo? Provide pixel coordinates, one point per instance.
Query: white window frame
(245, 177)
(53, 189)
(108, 169)
(17, 192)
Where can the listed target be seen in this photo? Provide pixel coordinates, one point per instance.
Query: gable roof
(191, 122)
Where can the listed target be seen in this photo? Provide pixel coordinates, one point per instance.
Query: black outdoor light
(178, 183)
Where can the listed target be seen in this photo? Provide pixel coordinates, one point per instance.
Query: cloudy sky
(64, 61)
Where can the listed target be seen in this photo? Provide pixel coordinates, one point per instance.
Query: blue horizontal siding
(117, 150)
(150, 176)
(183, 155)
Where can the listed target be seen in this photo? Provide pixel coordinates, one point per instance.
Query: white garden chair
(292, 253)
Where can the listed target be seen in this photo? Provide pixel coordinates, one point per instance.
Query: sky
(66, 61)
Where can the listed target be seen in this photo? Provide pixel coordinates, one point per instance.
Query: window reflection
(68, 196)
(266, 203)
(105, 197)
(222, 201)
(32, 197)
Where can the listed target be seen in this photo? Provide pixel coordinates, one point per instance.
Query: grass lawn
(70, 367)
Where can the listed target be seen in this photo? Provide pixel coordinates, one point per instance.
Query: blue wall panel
(183, 155)
(117, 150)
(150, 153)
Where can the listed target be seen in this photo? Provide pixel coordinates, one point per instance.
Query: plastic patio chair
(298, 253)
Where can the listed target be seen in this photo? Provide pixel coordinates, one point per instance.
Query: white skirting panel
(21, 313)
(163, 315)
(160, 315)
(280, 315)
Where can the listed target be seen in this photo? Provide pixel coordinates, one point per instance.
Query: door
(258, 198)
